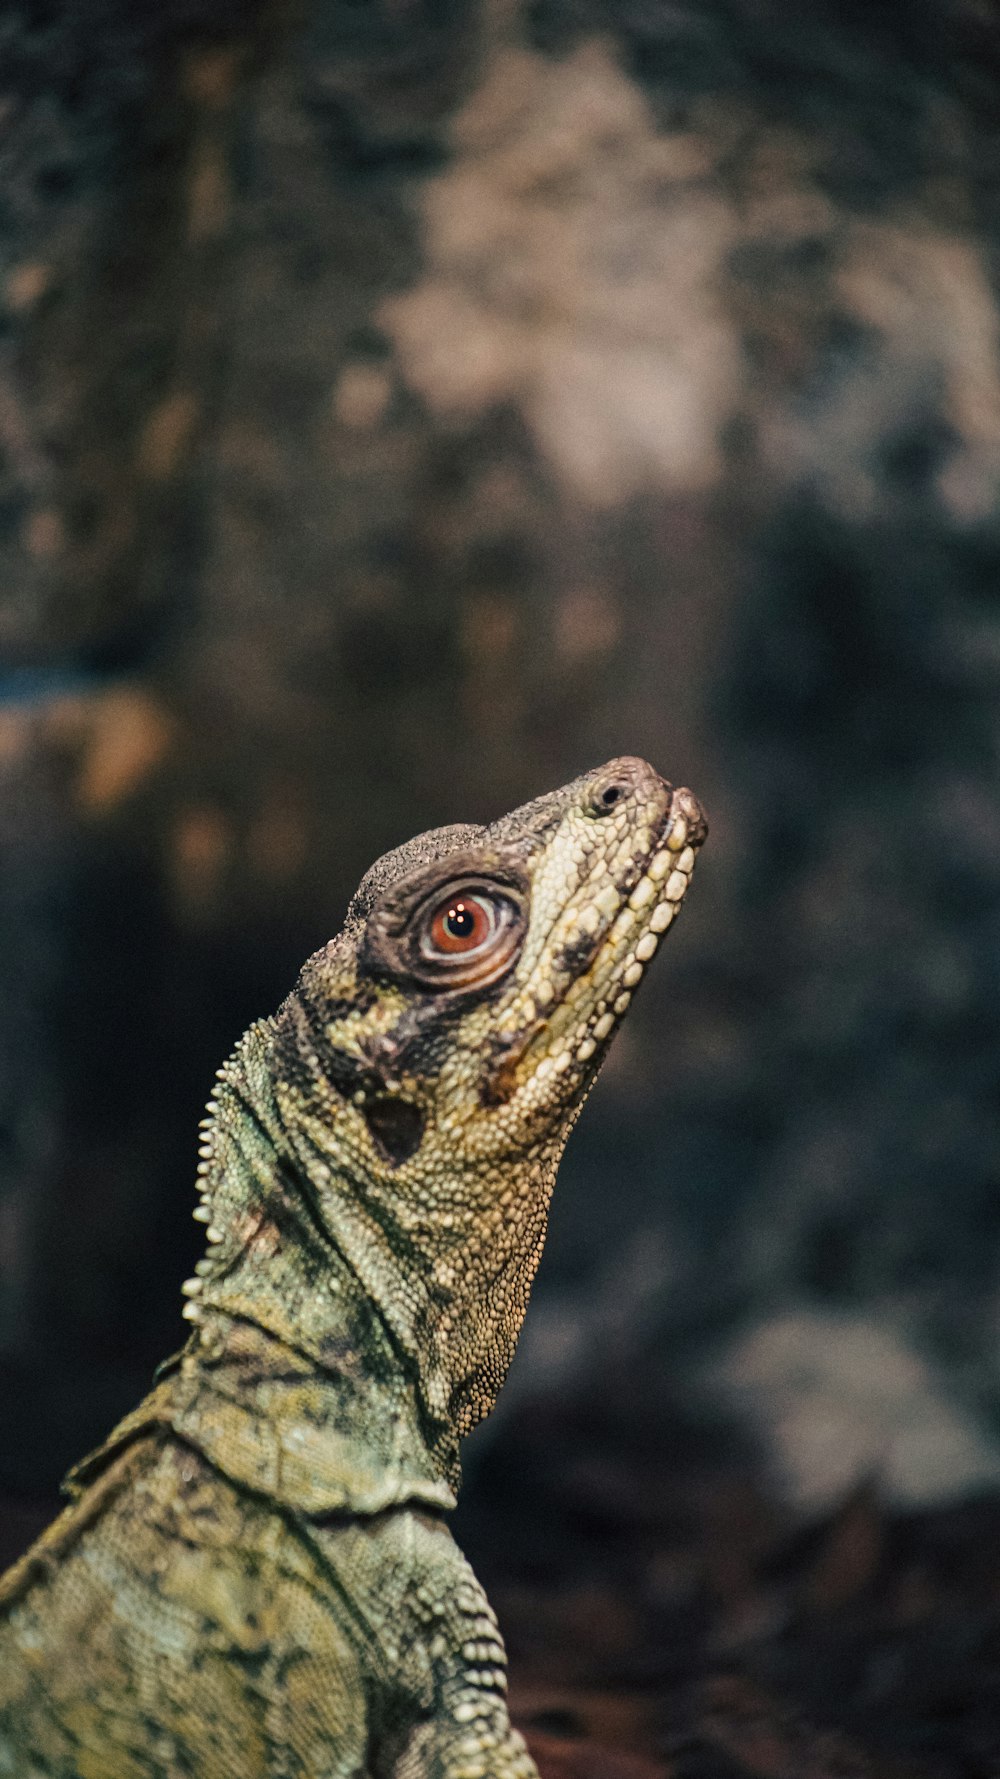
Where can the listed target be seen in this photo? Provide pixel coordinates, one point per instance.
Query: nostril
(606, 797)
(619, 782)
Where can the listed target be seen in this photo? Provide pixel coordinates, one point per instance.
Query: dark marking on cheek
(349, 1075)
(500, 1075)
(336, 1007)
(572, 959)
(397, 1128)
(417, 1043)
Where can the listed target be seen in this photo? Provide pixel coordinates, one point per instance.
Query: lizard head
(467, 1007)
(429, 1065)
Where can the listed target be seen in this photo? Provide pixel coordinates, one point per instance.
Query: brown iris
(466, 936)
(461, 923)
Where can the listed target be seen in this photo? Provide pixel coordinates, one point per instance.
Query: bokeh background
(404, 406)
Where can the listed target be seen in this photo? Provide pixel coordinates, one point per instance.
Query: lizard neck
(284, 1327)
(446, 1248)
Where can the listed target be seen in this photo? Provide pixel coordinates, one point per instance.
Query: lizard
(255, 1575)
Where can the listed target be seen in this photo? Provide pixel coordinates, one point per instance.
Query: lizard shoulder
(49, 1552)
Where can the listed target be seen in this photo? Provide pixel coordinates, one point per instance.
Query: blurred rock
(573, 256)
(840, 1399)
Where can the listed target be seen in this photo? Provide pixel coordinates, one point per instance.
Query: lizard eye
(468, 936)
(461, 924)
(451, 930)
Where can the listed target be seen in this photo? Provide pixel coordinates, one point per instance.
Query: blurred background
(406, 405)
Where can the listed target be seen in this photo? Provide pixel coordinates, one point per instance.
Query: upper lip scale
(513, 1057)
(663, 826)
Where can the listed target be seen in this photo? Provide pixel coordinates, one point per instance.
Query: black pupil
(460, 921)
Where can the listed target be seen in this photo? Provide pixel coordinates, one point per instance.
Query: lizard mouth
(616, 937)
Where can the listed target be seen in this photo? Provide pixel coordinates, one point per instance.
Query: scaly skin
(255, 1576)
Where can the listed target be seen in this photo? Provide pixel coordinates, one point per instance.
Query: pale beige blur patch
(110, 742)
(130, 734)
(203, 846)
(581, 266)
(930, 296)
(168, 435)
(26, 284)
(572, 269)
(926, 296)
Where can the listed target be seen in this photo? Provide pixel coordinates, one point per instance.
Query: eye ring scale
(469, 937)
(450, 931)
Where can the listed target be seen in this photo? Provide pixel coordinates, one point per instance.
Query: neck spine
(273, 1263)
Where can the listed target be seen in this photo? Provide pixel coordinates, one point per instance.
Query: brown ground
(666, 1621)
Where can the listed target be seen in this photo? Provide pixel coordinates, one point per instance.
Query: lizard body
(255, 1576)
